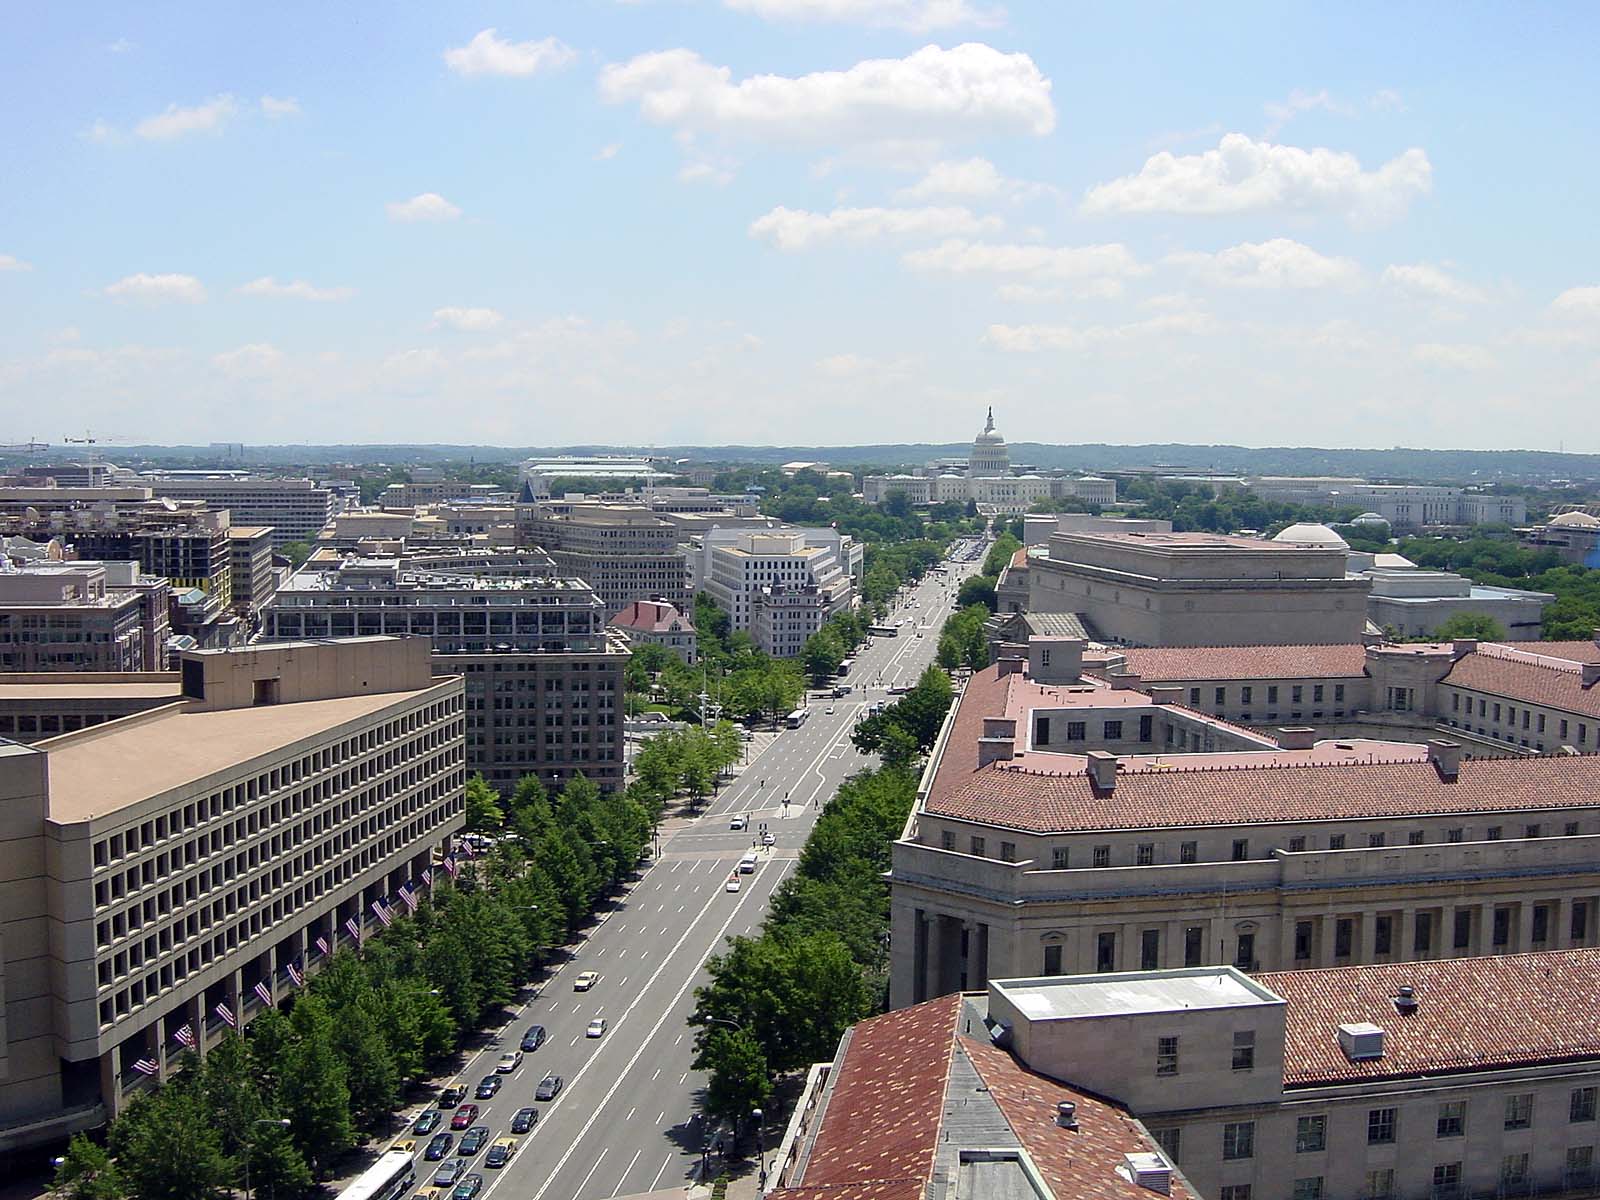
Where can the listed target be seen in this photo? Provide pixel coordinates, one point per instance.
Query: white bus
(391, 1176)
(798, 717)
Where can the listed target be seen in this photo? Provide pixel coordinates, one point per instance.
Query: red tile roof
(1530, 675)
(1575, 651)
(652, 616)
(1471, 1014)
(1076, 1163)
(1020, 558)
(1175, 795)
(1179, 663)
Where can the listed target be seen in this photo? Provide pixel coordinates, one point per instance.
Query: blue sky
(801, 221)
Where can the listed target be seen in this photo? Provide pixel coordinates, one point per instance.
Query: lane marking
(617, 1191)
(661, 1172)
(586, 1178)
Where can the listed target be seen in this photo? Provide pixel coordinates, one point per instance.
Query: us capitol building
(986, 478)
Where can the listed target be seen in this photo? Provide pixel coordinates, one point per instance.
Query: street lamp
(281, 1123)
(761, 1152)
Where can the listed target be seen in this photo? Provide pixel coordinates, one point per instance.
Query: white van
(747, 864)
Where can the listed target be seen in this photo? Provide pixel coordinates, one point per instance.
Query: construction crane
(29, 446)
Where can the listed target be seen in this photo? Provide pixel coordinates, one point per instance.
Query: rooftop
(71, 688)
(1179, 663)
(1532, 676)
(1185, 541)
(1063, 997)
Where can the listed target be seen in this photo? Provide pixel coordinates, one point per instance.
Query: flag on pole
(264, 993)
(408, 896)
(469, 848)
(296, 975)
(185, 1036)
(381, 911)
(353, 929)
(147, 1066)
(322, 945)
(450, 865)
(427, 876)
(222, 1010)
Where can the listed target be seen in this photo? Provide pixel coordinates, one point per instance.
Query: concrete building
(47, 703)
(544, 681)
(1194, 589)
(82, 616)
(540, 474)
(780, 585)
(623, 550)
(286, 790)
(253, 579)
(295, 509)
(657, 623)
(1575, 535)
(1406, 506)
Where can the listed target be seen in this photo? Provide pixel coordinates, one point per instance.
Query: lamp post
(761, 1150)
(281, 1123)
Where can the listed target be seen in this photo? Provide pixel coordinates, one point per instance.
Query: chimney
(995, 749)
(1011, 657)
(1125, 681)
(1361, 1041)
(1461, 647)
(1103, 771)
(1067, 1115)
(1055, 659)
(1148, 1170)
(1405, 1000)
(1166, 694)
(1445, 755)
(1296, 737)
(1591, 674)
(1001, 728)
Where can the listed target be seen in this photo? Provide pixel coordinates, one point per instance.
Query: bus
(884, 630)
(386, 1179)
(844, 667)
(798, 717)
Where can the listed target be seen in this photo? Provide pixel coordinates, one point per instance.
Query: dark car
(468, 1188)
(465, 1116)
(452, 1096)
(533, 1038)
(439, 1146)
(427, 1122)
(488, 1086)
(472, 1141)
(548, 1087)
(525, 1120)
(448, 1173)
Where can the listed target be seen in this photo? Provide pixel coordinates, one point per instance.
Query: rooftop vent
(1405, 999)
(1361, 1041)
(1148, 1170)
(1445, 756)
(1591, 674)
(1067, 1115)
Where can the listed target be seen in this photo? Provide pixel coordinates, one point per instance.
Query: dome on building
(1307, 534)
(1576, 520)
(989, 458)
(1370, 518)
(989, 436)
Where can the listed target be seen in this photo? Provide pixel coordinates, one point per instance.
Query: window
(1519, 1110)
(1194, 697)
(1297, 844)
(1571, 829)
(1581, 1107)
(1105, 952)
(1502, 927)
(1245, 694)
(1244, 955)
(1414, 838)
(1492, 834)
(1374, 839)
(1380, 1126)
(1222, 697)
(1540, 931)
(1102, 856)
(1310, 1135)
(1447, 1181)
(1452, 1119)
(1316, 693)
(1383, 935)
(977, 846)
(1580, 921)
(1343, 932)
(1113, 731)
(1302, 941)
(1059, 857)
(1463, 930)
(1338, 693)
(1241, 849)
(1191, 945)
(1052, 960)
(1336, 841)
(1149, 949)
(1076, 731)
(1244, 1050)
(1580, 1167)
(1514, 1172)
(1146, 728)
(1234, 1191)
(1170, 1140)
(1041, 731)
(1008, 852)
(1238, 1140)
(1146, 854)
(1188, 852)
(1531, 831)
(1166, 1056)
(1308, 1189)
(1272, 693)
(1379, 1185)
(1455, 835)
(1422, 933)
(947, 840)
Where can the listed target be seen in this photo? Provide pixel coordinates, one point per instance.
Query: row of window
(1247, 692)
(1530, 719)
(1379, 1183)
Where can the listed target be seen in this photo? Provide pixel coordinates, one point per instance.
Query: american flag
(408, 896)
(450, 865)
(295, 973)
(427, 876)
(322, 945)
(468, 847)
(222, 1010)
(147, 1066)
(265, 994)
(381, 911)
(185, 1036)
(352, 928)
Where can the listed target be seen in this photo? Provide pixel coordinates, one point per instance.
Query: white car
(509, 1062)
(737, 822)
(733, 884)
(830, 710)
(597, 1028)
(585, 981)
(767, 839)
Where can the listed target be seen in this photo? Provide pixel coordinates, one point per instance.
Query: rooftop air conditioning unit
(1148, 1170)
(1361, 1041)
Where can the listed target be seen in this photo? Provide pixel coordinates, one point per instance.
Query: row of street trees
(827, 648)
(961, 640)
(684, 760)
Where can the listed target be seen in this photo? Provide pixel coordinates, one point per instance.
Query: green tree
(277, 1168)
(740, 1080)
(369, 1067)
(296, 553)
(167, 1147)
(1469, 625)
(313, 1091)
(482, 804)
(822, 654)
(977, 589)
(86, 1172)
(949, 652)
(1000, 554)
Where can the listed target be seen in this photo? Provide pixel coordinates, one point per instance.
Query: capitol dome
(1313, 536)
(1371, 518)
(1576, 520)
(989, 457)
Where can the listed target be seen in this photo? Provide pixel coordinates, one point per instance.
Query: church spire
(989, 428)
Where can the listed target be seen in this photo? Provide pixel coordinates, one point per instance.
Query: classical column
(1446, 939)
(1560, 922)
(1362, 950)
(1408, 934)
(1329, 929)
(1522, 942)
(1286, 926)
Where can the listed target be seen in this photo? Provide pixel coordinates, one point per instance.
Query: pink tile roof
(1471, 1014)
(1528, 673)
(1181, 663)
(652, 616)
(1576, 651)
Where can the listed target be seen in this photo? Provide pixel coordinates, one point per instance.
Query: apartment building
(285, 791)
(295, 509)
(657, 623)
(544, 680)
(1052, 836)
(253, 577)
(780, 585)
(624, 551)
(46, 703)
(82, 616)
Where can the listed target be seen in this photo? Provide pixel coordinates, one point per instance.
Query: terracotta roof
(1172, 663)
(1531, 676)
(1575, 651)
(652, 616)
(1471, 1014)
(881, 1124)
(1075, 1163)
(1020, 558)
(1175, 795)
(985, 695)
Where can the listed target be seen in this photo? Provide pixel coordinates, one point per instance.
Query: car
(487, 1087)
(733, 884)
(585, 981)
(768, 840)
(549, 1087)
(448, 1173)
(472, 1141)
(524, 1120)
(405, 1146)
(509, 1062)
(597, 1028)
(737, 823)
(532, 1038)
(469, 1187)
(439, 1146)
(427, 1122)
(501, 1152)
(429, 1193)
(829, 711)
(465, 1116)
(452, 1097)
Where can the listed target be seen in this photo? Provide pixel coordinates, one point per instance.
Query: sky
(804, 222)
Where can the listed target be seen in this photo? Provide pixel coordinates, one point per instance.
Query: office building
(657, 623)
(779, 585)
(544, 680)
(538, 475)
(82, 616)
(295, 509)
(287, 789)
(253, 577)
(624, 551)
(1574, 535)
(1407, 507)
(43, 704)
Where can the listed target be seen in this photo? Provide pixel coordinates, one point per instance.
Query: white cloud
(209, 116)
(488, 54)
(607, 152)
(974, 177)
(795, 229)
(1028, 339)
(429, 206)
(101, 132)
(1243, 175)
(1281, 112)
(280, 106)
(1029, 293)
(959, 257)
(920, 16)
(1456, 357)
(158, 287)
(120, 46)
(297, 289)
(969, 89)
(1578, 302)
(1386, 100)
(467, 320)
(847, 366)
(1278, 263)
(253, 359)
(10, 262)
(1424, 280)
(704, 172)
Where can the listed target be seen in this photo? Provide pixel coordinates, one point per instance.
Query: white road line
(681, 1078)
(661, 1172)
(599, 1158)
(629, 1117)
(574, 1041)
(662, 1116)
(653, 1077)
(617, 1191)
(680, 1038)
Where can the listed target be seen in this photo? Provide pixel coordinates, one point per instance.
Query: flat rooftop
(67, 689)
(1186, 541)
(91, 771)
(1065, 997)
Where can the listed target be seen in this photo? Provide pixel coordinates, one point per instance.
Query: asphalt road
(626, 1121)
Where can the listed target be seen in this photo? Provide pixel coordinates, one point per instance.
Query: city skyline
(808, 222)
